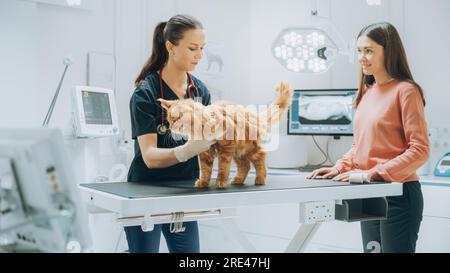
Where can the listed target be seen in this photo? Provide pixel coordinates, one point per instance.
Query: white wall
(227, 28)
(35, 38)
(136, 20)
(426, 39)
(18, 61)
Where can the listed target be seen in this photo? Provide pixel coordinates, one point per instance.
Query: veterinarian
(159, 156)
(391, 138)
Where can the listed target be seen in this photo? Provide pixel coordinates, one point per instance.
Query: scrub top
(145, 117)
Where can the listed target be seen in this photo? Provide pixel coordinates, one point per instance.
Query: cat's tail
(279, 106)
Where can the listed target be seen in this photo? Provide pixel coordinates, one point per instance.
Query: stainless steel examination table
(175, 202)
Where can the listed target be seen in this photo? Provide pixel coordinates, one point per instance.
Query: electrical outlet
(313, 212)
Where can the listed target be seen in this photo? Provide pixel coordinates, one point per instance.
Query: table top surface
(135, 190)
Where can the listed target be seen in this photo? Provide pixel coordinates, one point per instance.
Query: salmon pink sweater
(390, 133)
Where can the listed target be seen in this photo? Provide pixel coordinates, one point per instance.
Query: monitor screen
(322, 112)
(96, 108)
(445, 163)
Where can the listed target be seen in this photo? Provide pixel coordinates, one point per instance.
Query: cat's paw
(221, 184)
(260, 181)
(201, 184)
(237, 180)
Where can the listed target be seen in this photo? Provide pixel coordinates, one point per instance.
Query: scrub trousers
(399, 232)
(148, 242)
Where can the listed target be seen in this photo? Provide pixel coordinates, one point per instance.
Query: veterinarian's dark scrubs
(145, 117)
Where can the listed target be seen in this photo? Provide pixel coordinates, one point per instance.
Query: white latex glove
(192, 148)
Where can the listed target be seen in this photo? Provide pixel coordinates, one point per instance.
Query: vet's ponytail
(159, 55)
(172, 31)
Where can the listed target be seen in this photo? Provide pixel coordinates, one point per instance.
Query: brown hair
(395, 60)
(172, 31)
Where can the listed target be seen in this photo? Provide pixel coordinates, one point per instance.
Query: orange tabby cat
(237, 129)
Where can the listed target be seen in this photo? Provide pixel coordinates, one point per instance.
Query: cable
(312, 167)
(328, 153)
(321, 150)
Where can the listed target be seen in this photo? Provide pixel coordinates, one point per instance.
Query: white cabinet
(436, 198)
(434, 235)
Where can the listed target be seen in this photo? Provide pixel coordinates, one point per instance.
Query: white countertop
(431, 179)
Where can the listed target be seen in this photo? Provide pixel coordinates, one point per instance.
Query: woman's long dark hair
(395, 60)
(172, 31)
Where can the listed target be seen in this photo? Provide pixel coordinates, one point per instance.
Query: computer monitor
(95, 112)
(41, 206)
(322, 112)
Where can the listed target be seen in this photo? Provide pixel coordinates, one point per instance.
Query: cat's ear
(166, 104)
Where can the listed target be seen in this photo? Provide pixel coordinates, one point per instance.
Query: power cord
(328, 153)
(321, 150)
(312, 167)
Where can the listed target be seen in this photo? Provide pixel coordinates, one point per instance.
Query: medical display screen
(96, 108)
(445, 163)
(322, 112)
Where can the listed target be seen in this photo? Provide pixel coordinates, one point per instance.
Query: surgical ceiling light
(309, 49)
(305, 50)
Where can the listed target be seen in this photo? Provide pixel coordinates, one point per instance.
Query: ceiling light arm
(344, 48)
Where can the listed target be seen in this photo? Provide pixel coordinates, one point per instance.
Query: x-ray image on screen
(325, 109)
(322, 112)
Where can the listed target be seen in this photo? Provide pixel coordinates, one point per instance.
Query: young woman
(177, 49)
(390, 138)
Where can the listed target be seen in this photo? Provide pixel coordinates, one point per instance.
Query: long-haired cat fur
(237, 129)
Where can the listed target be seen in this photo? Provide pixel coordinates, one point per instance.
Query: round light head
(306, 50)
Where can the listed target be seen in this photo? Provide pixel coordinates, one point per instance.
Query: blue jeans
(148, 242)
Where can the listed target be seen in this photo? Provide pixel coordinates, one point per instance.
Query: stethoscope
(163, 128)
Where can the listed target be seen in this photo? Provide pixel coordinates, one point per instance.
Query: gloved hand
(192, 148)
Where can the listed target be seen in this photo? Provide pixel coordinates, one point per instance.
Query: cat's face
(185, 117)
